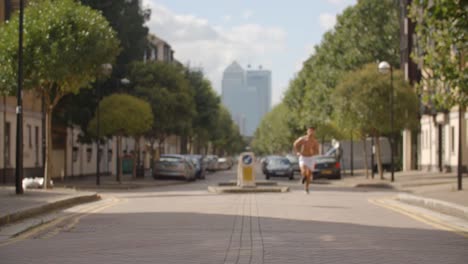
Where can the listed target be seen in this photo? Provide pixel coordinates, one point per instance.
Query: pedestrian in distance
(306, 147)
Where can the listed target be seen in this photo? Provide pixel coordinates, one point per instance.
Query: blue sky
(279, 35)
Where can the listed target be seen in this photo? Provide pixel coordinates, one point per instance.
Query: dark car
(294, 162)
(278, 166)
(327, 167)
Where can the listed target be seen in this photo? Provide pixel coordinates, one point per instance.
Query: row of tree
(339, 89)
(341, 92)
(66, 46)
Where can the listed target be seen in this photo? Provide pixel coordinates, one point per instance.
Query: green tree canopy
(167, 90)
(207, 105)
(273, 134)
(123, 114)
(364, 33)
(226, 137)
(362, 101)
(65, 45)
(442, 48)
(128, 19)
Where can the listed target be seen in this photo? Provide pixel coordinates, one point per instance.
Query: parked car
(224, 163)
(278, 166)
(200, 166)
(177, 166)
(212, 162)
(327, 166)
(294, 162)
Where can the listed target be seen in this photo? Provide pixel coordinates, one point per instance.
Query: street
(187, 224)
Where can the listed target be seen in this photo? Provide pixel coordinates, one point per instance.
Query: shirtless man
(306, 147)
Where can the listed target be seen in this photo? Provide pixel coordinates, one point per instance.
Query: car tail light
(337, 165)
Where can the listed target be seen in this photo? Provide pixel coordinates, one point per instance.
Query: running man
(306, 147)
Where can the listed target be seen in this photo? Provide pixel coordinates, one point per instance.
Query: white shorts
(306, 161)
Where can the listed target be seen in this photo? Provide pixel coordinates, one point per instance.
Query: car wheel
(267, 176)
(291, 176)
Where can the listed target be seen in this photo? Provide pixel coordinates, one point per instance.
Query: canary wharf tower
(247, 96)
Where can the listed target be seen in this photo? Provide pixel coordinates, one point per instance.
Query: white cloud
(247, 14)
(341, 3)
(227, 18)
(212, 47)
(327, 21)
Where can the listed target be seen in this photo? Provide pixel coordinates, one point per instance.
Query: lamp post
(385, 67)
(19, 109)
(106, 70)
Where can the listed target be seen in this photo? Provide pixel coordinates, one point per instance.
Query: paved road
(186, 224)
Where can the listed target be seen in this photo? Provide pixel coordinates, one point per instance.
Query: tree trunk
(49, 164)
(4, 141)
(136, 156)
(364, 141)
(152, 156)
(119, 158)
(379, 157)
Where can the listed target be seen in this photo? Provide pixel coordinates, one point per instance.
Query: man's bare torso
(307, 146)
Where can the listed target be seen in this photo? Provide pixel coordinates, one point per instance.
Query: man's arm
(296, 144)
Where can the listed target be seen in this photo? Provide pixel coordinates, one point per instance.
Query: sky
(211, 34)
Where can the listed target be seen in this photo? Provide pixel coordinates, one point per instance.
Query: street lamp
(385, 67)
(19, 109)
(106, 70)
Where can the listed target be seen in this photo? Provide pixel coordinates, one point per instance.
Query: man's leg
(308, 176)
(303, 173)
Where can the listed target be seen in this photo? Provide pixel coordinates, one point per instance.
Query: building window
(36, 144)
(89, 154)
(109, 155)
(75, 154)
(29, 136)
(452, 139)
(7, 143)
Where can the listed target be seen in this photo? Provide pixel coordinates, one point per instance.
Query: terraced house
(435, 146)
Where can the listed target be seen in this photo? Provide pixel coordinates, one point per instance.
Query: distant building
(247, 96)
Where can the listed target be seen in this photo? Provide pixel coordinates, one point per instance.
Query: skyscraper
(247, 96)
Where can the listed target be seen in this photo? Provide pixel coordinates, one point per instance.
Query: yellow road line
(75, 220)
(424, 218)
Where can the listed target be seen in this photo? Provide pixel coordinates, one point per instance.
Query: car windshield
(170, 159)
(279, 162)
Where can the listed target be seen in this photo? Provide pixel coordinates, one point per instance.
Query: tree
(207, 105)
(442, 47)
(128, 19)
(226, 137)
(65, 45)
(123, 115)
(164, 86)
(362, 101)
(364, 33)
(273, 134)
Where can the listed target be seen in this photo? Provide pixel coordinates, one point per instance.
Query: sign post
(246, 170)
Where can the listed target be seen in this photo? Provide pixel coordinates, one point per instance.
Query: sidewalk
(65, 193)
(433, 190)
(34, 202)
(108, 182)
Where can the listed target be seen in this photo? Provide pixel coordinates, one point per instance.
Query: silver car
(174, 166)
